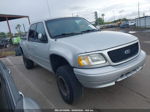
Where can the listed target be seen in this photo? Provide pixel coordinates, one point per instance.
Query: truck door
(41, 46)
(31, 44)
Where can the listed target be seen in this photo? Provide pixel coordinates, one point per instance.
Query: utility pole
(139, 22)
(103, 16)
(96, 18)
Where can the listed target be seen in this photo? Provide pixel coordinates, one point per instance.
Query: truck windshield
(64, 27)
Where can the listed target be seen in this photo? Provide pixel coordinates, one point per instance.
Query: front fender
(67, 52)
(66, 55)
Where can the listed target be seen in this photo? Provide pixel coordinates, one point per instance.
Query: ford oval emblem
(128, 51)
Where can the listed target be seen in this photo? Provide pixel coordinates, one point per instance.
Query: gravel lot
(40, 85)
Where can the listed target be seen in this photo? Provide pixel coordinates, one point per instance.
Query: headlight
(92, 59)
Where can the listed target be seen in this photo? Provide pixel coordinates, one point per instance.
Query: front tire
(29, 64)
(68, 85)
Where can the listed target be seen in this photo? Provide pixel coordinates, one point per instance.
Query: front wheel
(68, 85)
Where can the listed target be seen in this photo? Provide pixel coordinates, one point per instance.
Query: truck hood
(97, 40)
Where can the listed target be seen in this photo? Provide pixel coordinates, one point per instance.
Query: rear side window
(32, 32)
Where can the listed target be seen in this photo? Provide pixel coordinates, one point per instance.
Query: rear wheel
(68, 85)
(29, 64)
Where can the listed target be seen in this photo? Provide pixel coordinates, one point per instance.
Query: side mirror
(41, 37)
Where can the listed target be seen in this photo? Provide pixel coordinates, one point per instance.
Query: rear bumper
(109, 75)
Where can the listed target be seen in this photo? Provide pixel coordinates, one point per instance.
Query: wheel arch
(57, 60)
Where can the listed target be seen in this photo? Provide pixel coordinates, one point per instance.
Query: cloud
(77, 8)
(41, 9)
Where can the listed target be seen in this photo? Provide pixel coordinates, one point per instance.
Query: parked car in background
(131, 23)
(4, 42)
(11, 100)
(80, 55)
(109, 26)
(124, 24)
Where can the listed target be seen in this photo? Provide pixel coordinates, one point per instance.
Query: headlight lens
(90, 60)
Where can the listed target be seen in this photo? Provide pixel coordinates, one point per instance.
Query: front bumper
(109, 75)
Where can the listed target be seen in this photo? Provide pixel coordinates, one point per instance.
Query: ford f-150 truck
(81, 55)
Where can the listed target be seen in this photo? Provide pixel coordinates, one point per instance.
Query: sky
(43, 9)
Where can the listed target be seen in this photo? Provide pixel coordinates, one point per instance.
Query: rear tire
(29, 64)
(68, 85)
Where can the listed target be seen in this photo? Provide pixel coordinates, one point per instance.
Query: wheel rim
(63, 86)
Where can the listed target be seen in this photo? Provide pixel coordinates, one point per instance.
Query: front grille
(124, 53)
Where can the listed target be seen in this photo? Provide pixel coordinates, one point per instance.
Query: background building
(143, 22)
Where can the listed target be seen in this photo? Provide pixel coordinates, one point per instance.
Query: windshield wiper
(87, 31)
(73, 33)
(66, 35)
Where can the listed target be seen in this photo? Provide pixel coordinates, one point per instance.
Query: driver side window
(40, 30)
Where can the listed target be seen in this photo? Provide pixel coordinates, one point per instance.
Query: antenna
(49, 12)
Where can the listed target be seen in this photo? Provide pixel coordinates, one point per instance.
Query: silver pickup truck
(80, 55)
